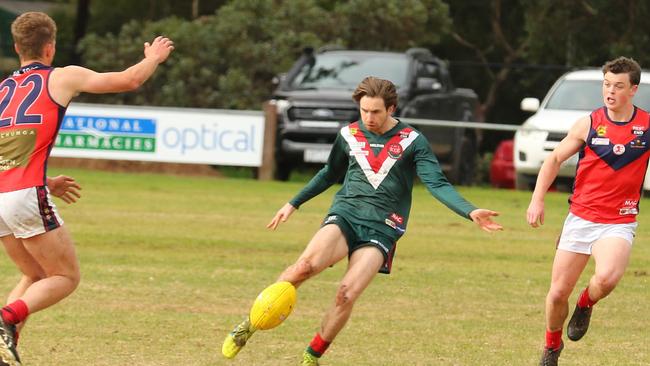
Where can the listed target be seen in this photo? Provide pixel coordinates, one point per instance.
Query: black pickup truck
(314, 100)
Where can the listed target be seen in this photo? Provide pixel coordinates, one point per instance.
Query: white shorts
(578, 235)
(28, 212)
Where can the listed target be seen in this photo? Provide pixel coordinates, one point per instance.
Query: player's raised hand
(535, 213)
(159, 49)
(483, 218)
(281, 216)
(64, 187)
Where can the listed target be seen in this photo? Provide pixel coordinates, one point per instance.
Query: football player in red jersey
(32, 103)
(612, 143)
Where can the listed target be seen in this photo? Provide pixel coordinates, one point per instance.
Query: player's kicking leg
(327, 247)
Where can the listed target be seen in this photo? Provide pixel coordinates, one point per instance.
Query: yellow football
(273, 305)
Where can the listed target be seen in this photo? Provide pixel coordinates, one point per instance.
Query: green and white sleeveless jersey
(379, 172)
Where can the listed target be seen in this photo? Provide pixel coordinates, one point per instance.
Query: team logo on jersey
(353, 131)
(638, 144)
(395, 150)
(601, 130)
(618, 149)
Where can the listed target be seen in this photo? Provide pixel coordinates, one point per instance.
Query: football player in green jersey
(379, 158)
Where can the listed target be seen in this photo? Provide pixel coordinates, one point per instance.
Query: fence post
(267, 168)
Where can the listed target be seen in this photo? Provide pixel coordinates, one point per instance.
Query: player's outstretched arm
(64, 187)
(69, 81)
(281, 216)
(483, 218)
(570, 145)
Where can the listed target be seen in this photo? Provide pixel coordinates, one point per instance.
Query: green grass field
(170, 264)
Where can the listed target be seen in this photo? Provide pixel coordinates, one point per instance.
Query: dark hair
(374, 87)
(31, 32)
(624, 65)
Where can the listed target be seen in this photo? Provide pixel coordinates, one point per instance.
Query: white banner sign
(177, 135)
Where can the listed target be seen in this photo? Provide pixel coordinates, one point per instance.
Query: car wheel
(525, 182)
(466, 166)
(282, 171)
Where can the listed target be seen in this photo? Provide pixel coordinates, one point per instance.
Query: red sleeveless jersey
(611, 169)
(29, 123)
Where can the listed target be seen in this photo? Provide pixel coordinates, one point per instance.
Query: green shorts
(359, 236)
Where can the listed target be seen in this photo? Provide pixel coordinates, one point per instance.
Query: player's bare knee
(74, 277)
(345, 296)
(299, 271)
(558, 294)
(606, 281)
(33, 277)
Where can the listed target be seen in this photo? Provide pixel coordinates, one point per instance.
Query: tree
(228, 60)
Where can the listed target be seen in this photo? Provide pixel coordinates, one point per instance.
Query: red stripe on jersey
(611, 169)
(391, 147)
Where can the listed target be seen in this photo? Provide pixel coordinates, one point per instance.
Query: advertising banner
(176, 135)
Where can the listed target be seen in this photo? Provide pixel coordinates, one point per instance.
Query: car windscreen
(587, 95)
(345, 71)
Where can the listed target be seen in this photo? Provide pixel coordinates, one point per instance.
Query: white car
(573, 95)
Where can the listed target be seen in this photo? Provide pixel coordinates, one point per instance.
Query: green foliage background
(229, 51)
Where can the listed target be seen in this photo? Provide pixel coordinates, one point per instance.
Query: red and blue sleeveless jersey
(29, 122)
(611, 168)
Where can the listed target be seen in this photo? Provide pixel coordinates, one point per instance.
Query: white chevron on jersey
(362, 155)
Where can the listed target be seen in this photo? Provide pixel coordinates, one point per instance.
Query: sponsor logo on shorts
(395, 221)
(399, 219)
(391, 223)
(331, 218)
(375, 241)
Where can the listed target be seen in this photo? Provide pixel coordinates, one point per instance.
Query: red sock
(553, 339)
(584, 301)
(15, 312)
(318, 346)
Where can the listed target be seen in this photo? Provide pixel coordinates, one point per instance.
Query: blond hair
(31, 32)
(376, 87)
